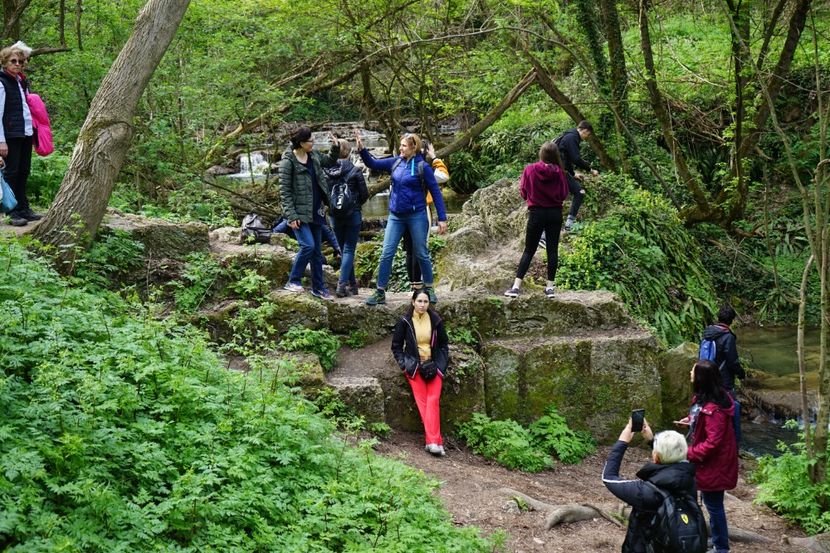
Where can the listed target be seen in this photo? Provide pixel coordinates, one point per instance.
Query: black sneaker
(378, 298)
(550, 292)
(430, 291)
(569, 223)
(28, 214)
(354, 289)
(16, 221)
(342, 291)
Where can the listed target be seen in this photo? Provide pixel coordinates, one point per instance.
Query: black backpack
(254, 230)
(678, 526)
(342, 199)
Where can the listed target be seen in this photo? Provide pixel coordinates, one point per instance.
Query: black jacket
(727, 353)
(568, 145)
(405, 345)
(676, 479)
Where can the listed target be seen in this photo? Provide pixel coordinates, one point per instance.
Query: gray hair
(670, 446)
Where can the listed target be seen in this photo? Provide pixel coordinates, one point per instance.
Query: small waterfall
(252, 165)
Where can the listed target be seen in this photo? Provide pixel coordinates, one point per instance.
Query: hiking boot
(512, 293)
(291, 287)
(430, 291)
(342, 291)
(322, 294)
(377, 298)
(354, 289)
(569, 222)
(16, 221)
(28, 214)
(550, 292)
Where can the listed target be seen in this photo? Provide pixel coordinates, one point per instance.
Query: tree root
(557, 514)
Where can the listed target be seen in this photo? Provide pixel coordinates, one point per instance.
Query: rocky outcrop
(675, 386)
(161, 239)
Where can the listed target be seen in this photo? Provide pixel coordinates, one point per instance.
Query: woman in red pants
(421, 348)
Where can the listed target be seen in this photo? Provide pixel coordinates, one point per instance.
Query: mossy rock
(363, 395)
(348, 315)
(162, 239)
(594, 380)
(674, 366)
(279, 366)
(272, 318)
(490, 316)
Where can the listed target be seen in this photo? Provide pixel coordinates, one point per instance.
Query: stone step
(363, 394)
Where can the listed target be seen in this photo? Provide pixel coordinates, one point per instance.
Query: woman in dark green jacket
(304, 192)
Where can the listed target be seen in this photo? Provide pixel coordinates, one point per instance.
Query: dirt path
(470, 484)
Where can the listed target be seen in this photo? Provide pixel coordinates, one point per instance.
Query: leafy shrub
(111, 256)
(198, 276)
(119, 432)
(551, 433)
(46, 177)
(322, 343)
(506, 442)
(357, 339)
(784, 485)
(641, 251)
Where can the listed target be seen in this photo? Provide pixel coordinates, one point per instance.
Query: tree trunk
(105, 136)
(658, 104)
(12, 11)
(468, 137)
(802, 369)
(562, 100)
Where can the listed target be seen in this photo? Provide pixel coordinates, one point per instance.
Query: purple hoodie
(543, 185)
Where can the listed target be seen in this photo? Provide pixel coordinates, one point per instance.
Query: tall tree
(108, 130)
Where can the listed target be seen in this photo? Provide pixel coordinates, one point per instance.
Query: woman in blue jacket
(411, 178)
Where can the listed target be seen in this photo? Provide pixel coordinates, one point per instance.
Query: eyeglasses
(17, 62)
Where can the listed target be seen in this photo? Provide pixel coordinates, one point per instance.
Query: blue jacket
(407, 194)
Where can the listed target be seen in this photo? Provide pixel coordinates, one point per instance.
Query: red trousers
(428, 399)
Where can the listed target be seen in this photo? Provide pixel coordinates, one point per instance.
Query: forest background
(710, 120)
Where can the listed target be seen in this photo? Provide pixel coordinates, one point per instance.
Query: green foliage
(198, 277)
(250, 284)
(506, 442)
(784, 485)
(322, 343)
(46, 177)
(367, 261)
(357, 339)
(552, 434)
(641, 251)
(112, 256)
(119, 432)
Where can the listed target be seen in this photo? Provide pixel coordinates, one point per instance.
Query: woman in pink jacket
(544, 187)
(713, 447)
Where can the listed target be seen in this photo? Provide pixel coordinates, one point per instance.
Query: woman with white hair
(669, 471)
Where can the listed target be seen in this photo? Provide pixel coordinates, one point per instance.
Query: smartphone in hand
(637, 417)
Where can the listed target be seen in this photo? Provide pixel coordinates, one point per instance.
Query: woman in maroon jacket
(544, 187)
(713, 448)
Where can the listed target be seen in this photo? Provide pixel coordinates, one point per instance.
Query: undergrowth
(516, 447)
(120, 432)
(784, 484)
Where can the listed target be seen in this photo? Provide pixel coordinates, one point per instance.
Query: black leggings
(578, 193)
(549, 220)
(18, 166)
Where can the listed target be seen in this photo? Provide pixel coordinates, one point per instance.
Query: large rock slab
(594, 379)
(162, 239)
(362, 394)
(675, 382)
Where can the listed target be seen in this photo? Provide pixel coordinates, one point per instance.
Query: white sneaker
(550, 292)
(512, 293)
(291, 287)
(436, 450)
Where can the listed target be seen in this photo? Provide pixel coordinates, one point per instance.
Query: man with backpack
(719, 345)
(665, 516)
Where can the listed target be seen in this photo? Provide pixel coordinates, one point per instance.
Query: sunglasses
(17, 62)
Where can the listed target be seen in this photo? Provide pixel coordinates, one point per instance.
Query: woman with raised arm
(412, 177)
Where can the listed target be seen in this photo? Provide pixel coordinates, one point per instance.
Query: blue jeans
(309, 238)
(347, 231)
(717, 520)
(417, 224)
